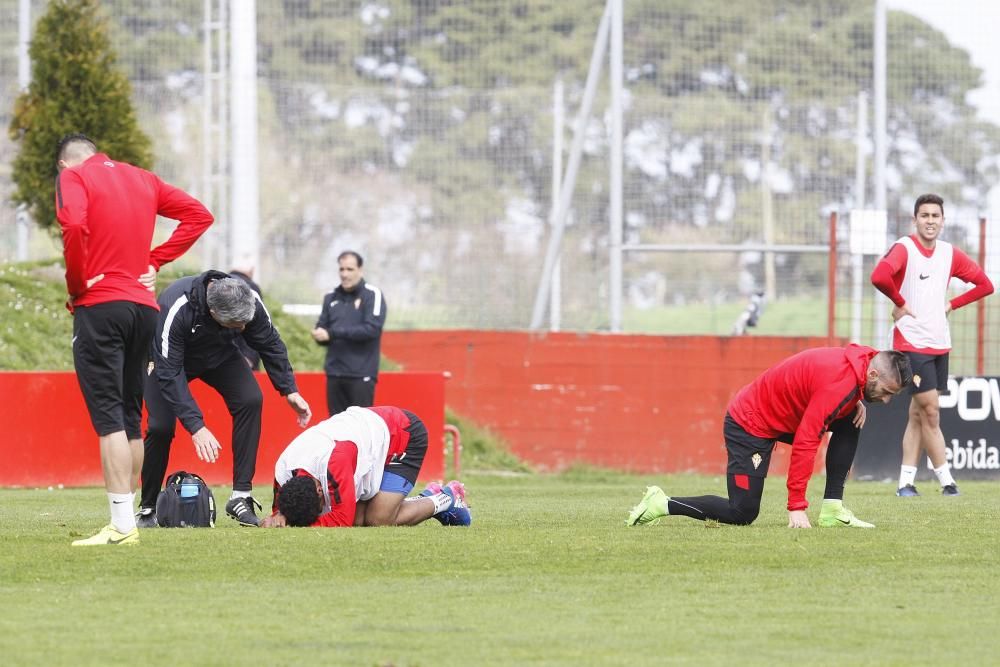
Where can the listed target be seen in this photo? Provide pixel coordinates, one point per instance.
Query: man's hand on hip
(899, 312)
(148, 279)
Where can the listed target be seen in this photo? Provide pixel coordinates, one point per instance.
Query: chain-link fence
(420, 133)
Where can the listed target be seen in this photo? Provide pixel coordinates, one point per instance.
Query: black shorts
(748, 454)
(110, 353)
(932, 370)
(407, 465)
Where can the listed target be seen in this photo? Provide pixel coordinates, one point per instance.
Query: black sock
(840, 457)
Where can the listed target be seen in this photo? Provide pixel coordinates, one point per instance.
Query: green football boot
(652, 506)
(109, 535)
(835, 514)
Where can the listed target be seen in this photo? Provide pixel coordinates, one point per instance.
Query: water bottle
(189, 489)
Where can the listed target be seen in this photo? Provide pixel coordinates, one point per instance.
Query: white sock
(122, 517)
(907, 474)
(944, 475)
(442, 502)
(240, 494)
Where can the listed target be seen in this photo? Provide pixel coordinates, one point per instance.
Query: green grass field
(547, 575)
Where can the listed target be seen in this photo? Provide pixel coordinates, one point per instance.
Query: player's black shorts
(407, 465)
(748, 454)
(932, 369)
(110, 353)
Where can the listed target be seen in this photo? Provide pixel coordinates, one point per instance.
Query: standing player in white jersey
(356, 469)
(915, 274)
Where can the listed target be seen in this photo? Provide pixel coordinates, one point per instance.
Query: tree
(75, 87)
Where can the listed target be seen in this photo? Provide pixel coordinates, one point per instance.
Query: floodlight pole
(244, 208)
(881, 150)
(558, 133)
(572, 168)
(207, 182)
(215, 123)
(767, 206)
(23, 81)
(857, 259)
(617, 225)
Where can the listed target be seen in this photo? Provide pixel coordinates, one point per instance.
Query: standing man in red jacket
(796, 402)
(915, 274)
(107, 211)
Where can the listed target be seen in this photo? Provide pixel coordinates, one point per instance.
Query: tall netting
(938, 144)
(420, 133)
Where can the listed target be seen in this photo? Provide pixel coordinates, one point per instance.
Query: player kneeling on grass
(797, 402)
(356, 469)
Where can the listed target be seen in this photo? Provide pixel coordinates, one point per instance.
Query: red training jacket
(798, 399)
(107, 211)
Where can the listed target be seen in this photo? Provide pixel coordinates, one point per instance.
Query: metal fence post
(831, 306)
(981, 307)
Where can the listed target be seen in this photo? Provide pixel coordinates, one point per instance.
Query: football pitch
(547, 575)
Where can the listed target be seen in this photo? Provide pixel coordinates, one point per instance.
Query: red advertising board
(48, 440)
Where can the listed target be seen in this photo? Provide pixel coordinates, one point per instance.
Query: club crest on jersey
(756, 460)
(357, 303)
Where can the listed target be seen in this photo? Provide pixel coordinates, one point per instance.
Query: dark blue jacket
(354, 320)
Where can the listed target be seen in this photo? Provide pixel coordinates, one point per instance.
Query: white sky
(973, 26)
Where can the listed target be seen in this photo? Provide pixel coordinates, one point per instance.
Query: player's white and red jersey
(918, 278)
(311, 450)
(925, 289)
(354, 445)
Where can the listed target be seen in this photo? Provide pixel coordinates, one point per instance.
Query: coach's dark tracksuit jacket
(354, 320)
(797, 400)
(189, 342)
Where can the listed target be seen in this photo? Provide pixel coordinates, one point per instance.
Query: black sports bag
(185, 502)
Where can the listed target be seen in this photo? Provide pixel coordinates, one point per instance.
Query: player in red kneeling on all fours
(797, 402)
(356, 469)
